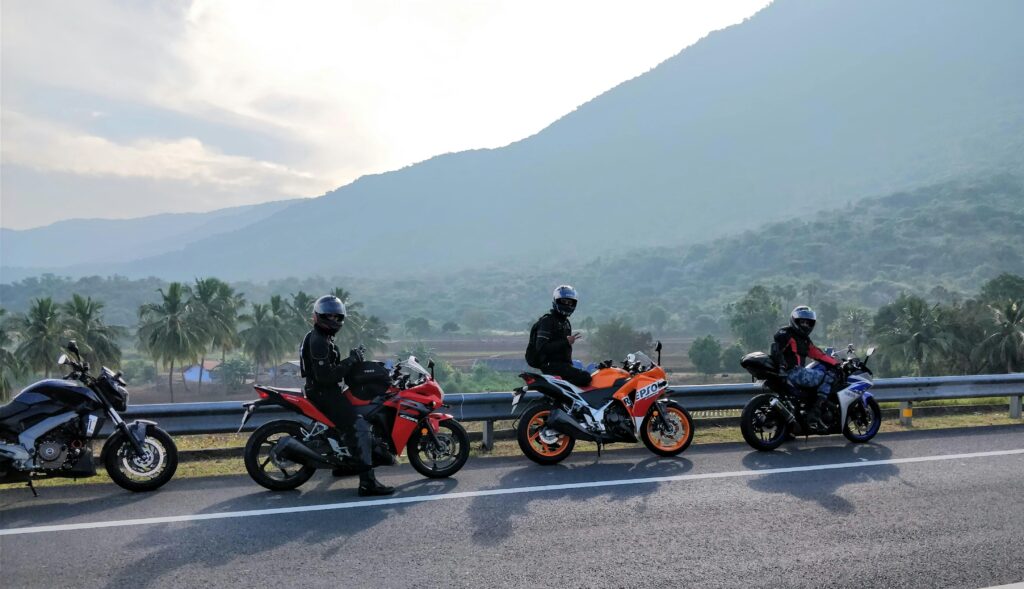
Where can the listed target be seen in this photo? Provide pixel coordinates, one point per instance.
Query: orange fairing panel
(606, 377)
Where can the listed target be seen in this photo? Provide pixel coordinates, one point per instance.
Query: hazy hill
(94, 243)
(937, 241)
(803, 107)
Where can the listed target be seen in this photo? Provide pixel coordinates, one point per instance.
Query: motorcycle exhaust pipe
(291, 449)
(560, 421)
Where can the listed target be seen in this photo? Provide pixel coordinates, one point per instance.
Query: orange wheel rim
(682, 433)
(533, 431)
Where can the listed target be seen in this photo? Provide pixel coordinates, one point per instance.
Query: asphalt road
(920, 509)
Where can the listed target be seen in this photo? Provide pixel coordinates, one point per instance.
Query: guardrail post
(907, 414)
(488, 435)
(1015, 406)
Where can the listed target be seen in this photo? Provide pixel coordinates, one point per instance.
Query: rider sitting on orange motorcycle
(791, 348)
(552, 338)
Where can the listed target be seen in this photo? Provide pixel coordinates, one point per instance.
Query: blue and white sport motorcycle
(769, 418)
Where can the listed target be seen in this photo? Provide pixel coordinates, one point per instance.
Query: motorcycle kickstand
(33, 487)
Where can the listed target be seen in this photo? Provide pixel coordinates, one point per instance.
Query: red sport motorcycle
(283, 454)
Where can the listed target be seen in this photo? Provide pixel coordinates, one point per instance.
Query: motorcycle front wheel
(670, 439)
(763, 426)
(441, 455)
(269, 470)
(862, 424)
(540, 444)
(141, 472)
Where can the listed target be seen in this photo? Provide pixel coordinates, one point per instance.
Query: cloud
(44, 146)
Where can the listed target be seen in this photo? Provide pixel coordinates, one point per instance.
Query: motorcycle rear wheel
(439, 463)
(668, 445)
(758, 415)
(540, 446)
(259, 462)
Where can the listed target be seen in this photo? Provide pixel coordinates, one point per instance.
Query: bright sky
(121, 109)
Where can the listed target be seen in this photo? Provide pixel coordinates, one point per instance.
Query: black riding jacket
(321, 363)
(551, 343)
(792, 348)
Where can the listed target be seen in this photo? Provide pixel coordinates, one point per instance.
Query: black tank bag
(368, 380)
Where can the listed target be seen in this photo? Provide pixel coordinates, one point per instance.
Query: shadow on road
(492, 517)
(52, 506)
(819, 486)
(216, 544)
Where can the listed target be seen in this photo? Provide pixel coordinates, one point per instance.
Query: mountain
(939, 241)
(97, 243)
(803, 107)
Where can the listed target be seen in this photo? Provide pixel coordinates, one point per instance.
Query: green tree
(450, 327)
(616, 338)
(84, 323)
(658, 317)
(731, 357)
(754, 318)
(418, 327)
(910, 329)
(588, 323)
(965, 326)
(10, 366)
(706, 355)
(234, 372)
(266, 338)
(226, 339)
(851, 327)
(42, 336)
(171, 331)
(1003, 288)
(1003, 350)
(213, 303)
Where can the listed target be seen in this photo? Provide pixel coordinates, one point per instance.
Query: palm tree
(42, 335)
(171, 330)
(228, 339)
(914, 331)
(301, 307)
(212, 301)
(96, 339)
(266, 338)
(10, 366)
(1004, 349)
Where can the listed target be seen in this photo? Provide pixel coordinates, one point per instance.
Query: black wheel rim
(442, 453)
(767, 424)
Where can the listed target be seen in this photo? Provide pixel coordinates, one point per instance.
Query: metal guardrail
(224, 416)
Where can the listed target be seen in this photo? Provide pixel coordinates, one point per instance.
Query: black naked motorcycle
(47, 431)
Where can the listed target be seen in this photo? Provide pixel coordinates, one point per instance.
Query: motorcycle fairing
(293, 398)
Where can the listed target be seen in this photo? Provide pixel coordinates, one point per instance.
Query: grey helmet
(564, 300)
(329, 314)
(803, 319)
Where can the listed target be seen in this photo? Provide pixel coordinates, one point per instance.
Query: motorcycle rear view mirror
(657, 349)
(62, 360)
(73, 348)
(870, 351)
(430, 367)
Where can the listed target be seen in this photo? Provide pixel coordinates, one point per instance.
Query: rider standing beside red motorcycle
(551, 339)
(792, 347)
(324, 369)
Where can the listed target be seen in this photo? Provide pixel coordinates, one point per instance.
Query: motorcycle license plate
(516, 395)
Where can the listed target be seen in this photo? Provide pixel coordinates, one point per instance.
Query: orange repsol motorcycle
(626, 404)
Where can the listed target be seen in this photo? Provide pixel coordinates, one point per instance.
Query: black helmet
(803, 319)
(563, 300)
(329, 313)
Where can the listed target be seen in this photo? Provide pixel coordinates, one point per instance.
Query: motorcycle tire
(655, 443)
(756, 408)
(140, 474)
(531, 426)
(871, 423)
(422, 453)
(256, 464)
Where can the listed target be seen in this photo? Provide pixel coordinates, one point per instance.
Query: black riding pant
(580, 378)
(355, 431)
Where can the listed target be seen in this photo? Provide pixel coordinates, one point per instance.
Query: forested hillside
(941, 242)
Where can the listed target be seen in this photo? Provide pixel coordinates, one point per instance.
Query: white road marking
(492, 492)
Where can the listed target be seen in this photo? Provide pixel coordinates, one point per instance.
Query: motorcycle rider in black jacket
(323, 368)
(791, 348)
(552, 338)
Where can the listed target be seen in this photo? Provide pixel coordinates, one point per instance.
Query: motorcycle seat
(284, 391)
